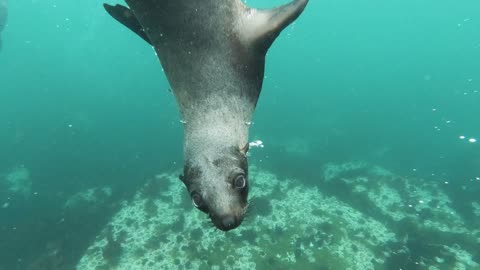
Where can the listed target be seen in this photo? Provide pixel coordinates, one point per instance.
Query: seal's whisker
(252, 200)
(251, 205)
(245, 209)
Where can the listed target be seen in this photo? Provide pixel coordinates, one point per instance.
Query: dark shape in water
(3, 18)
(213, 53)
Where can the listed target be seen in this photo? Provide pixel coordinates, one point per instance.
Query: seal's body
(3, 18)
(213, 53)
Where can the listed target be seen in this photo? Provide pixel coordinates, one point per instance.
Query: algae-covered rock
(299, 227)
(376, 221)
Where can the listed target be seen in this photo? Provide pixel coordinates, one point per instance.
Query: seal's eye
(240, 181)
(197, 199)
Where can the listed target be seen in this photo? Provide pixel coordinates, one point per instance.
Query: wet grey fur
(3, 18)
(213, 53)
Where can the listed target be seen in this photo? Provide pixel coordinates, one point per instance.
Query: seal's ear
(244, 150)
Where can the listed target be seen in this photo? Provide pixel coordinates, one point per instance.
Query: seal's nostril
(228, 222)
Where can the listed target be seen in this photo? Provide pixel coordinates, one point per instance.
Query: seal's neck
(216, 129)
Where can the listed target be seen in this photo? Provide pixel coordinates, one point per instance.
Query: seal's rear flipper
(126, 17)
(262, 27)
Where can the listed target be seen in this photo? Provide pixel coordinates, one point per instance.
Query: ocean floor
(359, 216)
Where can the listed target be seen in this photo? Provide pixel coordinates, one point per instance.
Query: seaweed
(250, 236)
(261, 206)
(196, 234)
(155, 187)
(112, 250)
(150, 208)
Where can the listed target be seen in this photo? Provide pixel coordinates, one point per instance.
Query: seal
(3, 18)
(213, 54)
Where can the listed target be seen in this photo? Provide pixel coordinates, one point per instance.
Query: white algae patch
(464, 259)
(476, 208)
(291, 226)
(18, 182)
(398, 198)
(89, 197)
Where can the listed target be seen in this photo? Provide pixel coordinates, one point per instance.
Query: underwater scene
(363, 149)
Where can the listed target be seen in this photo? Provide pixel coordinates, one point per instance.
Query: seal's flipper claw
(262, 27)
(126, 17)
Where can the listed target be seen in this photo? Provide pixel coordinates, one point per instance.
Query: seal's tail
(126, 17)
(258, 27)
(262, 27)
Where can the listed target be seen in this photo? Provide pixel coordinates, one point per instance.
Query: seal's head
(219, 186)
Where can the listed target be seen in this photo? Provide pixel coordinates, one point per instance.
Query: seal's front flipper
(262, 27)
(126, 17)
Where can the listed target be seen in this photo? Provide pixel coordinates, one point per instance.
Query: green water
(84, 103)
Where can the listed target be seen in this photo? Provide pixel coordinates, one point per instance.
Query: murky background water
(368, 107)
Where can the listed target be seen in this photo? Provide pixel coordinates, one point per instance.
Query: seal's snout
(227, 222)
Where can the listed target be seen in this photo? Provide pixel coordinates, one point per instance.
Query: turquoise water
(84, 104)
